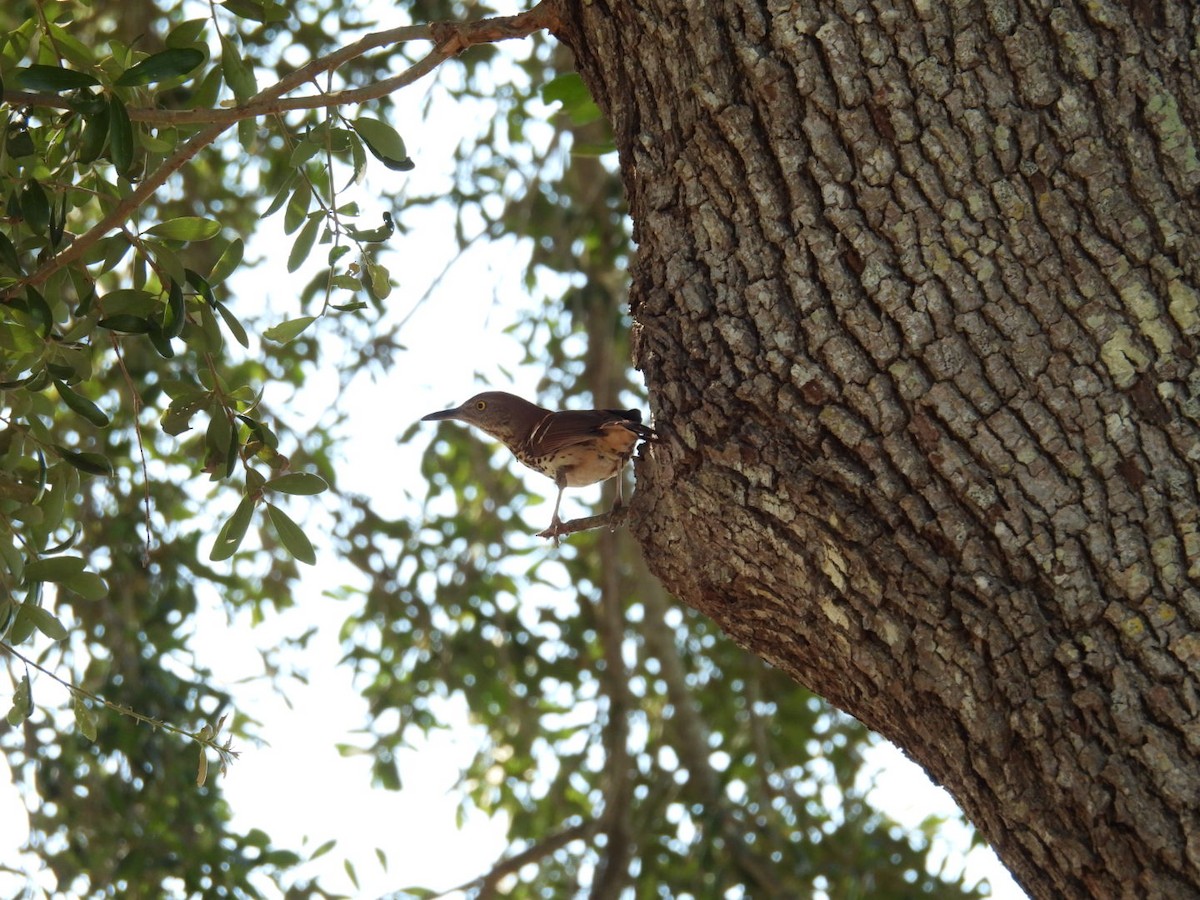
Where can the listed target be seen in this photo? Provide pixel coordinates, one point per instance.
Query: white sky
(297, 787)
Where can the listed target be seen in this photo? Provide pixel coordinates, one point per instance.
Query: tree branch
(693, 743)
(488, 882)
(205, 737)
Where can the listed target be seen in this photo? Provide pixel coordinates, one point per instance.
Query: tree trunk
(917, 301)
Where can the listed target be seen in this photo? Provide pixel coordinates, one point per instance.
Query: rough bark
(917, 301)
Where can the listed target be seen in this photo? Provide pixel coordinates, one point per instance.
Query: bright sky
(297, 787)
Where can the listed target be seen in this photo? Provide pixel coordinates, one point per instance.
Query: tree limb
(488, 882)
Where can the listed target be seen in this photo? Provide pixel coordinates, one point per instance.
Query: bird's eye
(481, 404)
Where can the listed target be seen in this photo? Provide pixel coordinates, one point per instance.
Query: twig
(488, 881)
(208, 741)
(613, 518)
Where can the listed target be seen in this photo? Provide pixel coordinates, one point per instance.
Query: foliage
(626, 741)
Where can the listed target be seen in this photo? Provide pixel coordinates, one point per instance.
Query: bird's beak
(441, 414)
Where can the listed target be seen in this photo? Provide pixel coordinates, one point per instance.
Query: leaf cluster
(132, 384)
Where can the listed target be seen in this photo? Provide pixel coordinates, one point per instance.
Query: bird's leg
(617, 502)
(613, 514)
(555, 522)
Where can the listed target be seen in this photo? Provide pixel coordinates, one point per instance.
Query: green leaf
(567, 89)
(282, 195)
(198, 281)
(87, 585)
(166, 263)
(373, 235)
(39, 311)
(304, 151)
(22, 626)
(386, 774)
(178, 417)
(384, 142)
(185, 34)
(53, 78)
(82, 405)
(247, 133)
(35, 206)
(161, 343)
(130, 301)
(176, 313)
(22, 707)
(323, 849)
(230, 259)
(8, 255)
(54, 568)
(304, 242)
(85, 718)
(120, 135)
(265, 11)
(291, 536)
(71, 47)
(126, 324)
(289, 330)
(208, 91)
(186, 228)
(220, 433)
(239, 75)
(161, 66)
(231, 322)
(13, 561)
(377, 280)
(297, 208)
(207, 338)
(259, 431)
(19, 143)
(45, 622)
(58, 221)
(229, 538)
(298, 483)
(91, 463)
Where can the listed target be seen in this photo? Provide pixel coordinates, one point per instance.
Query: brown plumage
(574, 447)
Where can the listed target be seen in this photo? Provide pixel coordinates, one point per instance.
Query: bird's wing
(576, 426)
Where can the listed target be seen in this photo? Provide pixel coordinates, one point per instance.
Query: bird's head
(504, 416)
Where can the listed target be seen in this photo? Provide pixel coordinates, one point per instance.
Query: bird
(574, 447)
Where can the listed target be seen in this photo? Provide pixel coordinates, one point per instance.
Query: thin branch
(437, 280)
(200, 737)
(450, 39)
(488, 882)
(614, 518)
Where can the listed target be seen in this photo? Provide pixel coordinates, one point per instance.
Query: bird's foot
(613, 518)
(555, 531)
(616, 515)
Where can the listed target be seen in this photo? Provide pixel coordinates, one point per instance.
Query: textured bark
(917, 301)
